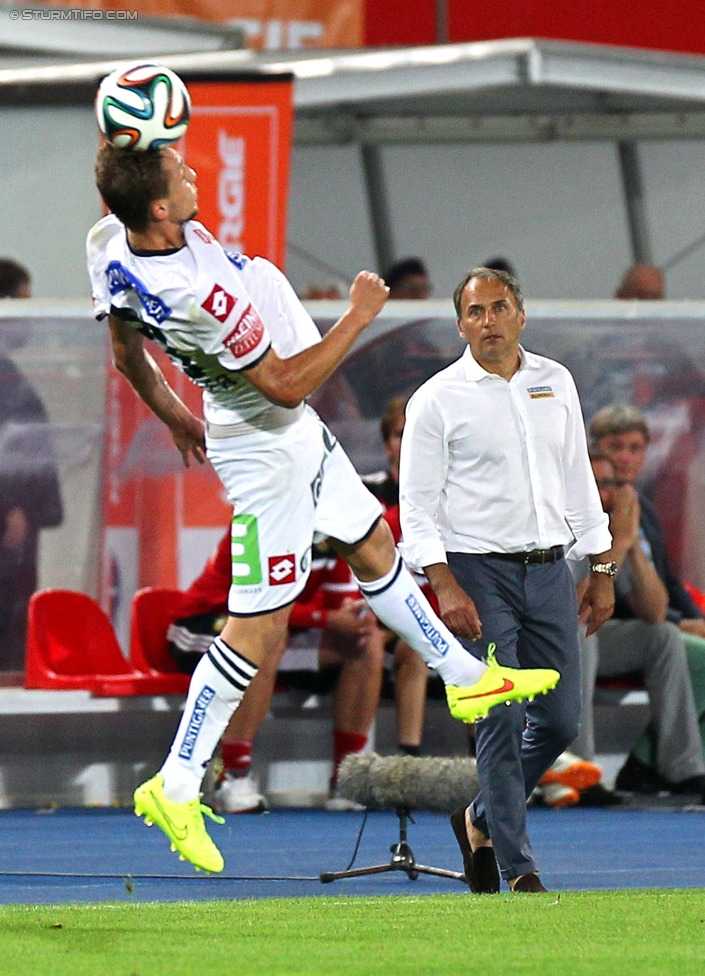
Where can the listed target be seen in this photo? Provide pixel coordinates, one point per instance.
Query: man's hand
(16, 529)
(624, 517)
(692, 625)
(353, 619)
(456, 609)
(597, 602)
(368, 293)
(188, 434)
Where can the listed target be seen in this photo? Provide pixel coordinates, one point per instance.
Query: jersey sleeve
(98, 238)
(230, 326)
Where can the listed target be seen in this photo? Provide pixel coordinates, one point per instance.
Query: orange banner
(160, 521)
(238, 141)
(267, 24)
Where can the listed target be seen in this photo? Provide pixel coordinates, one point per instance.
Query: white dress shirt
(490, 465)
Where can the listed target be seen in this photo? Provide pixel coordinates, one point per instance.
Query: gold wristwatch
(609, 569)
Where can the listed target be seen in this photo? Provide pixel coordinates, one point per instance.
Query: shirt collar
(474, 372)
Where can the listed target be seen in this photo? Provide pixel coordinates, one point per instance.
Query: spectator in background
(408, 278)
(323, 290)
(334, 645)
(30, 499)
(15, 280)
(501, 264)
(642, 281)
(621, 432)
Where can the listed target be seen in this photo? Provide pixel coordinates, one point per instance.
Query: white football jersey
(214, 313)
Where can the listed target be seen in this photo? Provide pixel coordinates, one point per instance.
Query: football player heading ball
(235, 326)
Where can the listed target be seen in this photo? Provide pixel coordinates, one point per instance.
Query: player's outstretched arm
(289, 381)
(139, 368)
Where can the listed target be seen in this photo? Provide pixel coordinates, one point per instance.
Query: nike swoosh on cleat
(507, 686)
(181, 833)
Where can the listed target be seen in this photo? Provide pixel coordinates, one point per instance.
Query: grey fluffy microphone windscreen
(419, 783)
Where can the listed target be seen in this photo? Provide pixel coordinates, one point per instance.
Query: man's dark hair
(500, 264)
(13, 276)
(400, 270)
(129, 182)
(488, 274)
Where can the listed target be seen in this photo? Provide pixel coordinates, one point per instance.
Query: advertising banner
(275, 25)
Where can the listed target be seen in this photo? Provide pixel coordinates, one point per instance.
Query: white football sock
(401, 606)
(217, 686)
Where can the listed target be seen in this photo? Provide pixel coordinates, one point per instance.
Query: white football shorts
(286, 487)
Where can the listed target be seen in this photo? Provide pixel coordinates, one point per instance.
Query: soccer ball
(142, 106)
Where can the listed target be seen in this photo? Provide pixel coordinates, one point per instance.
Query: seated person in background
(331, 629)
(411, 675)
(640, 638)
(326, 290)
(408, 278)
(622, 433)
(642, 281)
(30, 494)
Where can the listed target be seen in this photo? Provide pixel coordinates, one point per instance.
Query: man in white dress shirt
(495, 485)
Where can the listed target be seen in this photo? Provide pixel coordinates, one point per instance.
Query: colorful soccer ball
(142, 106)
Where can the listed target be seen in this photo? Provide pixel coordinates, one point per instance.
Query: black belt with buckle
(534, 557)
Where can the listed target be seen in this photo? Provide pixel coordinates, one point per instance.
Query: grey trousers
(530, 613)
(658, 652)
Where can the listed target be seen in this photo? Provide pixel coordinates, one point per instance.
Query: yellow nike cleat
(181, 822)
(496, 686)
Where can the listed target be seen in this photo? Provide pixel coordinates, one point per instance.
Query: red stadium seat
(153, 609)
(72, 644)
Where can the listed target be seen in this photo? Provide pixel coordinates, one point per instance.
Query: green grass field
(646, 932)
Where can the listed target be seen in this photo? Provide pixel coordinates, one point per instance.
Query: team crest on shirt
(282, 569)
(539, 392)
(219, 303)
(246, 335)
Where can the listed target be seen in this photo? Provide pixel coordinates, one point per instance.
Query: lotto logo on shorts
(282, 569)
(246, 335)
(219, 303)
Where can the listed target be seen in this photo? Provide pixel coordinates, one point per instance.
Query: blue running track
(62, 856)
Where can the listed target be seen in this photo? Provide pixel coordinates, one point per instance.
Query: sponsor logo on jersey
(316, 486)
(539, 392)
(329, 440)
(120, 279)
(194, 726)
(219, 303)
(239, 260)
(246, 335)
(431, 632)
(282, 569)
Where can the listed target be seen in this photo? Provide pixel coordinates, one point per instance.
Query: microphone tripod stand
(402, 859)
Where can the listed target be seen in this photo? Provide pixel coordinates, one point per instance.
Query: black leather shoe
(599, 796)
(481, 871)
(694, 784)
(636, 777)
(529, 882)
